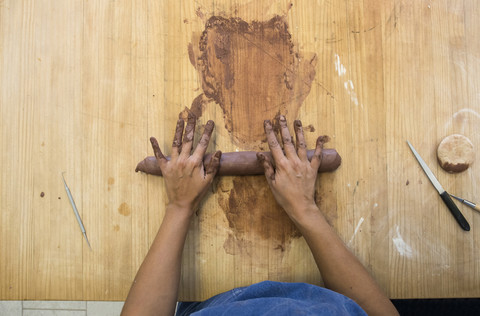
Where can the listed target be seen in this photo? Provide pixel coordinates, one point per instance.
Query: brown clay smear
(253, 72)
(254, 216)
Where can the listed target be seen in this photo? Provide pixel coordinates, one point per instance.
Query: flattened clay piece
(244, 163)
(455, 153)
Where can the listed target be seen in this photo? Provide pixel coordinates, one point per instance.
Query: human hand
(292, 181)
(186, 178)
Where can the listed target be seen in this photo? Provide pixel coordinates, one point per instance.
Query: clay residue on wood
(254, 216)
(124, 209)
(253, 71)
(197, 107)
(310, 128)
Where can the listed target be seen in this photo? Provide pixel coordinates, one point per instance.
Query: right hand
(292, 181)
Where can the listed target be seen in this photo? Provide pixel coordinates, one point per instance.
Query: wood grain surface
(84, 84)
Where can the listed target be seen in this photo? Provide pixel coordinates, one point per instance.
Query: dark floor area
(438, 307)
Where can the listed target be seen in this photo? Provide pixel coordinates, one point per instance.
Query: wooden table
(84, 84)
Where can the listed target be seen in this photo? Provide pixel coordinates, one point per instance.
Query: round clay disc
(455, 153)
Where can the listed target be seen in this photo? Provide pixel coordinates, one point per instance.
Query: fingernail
(218, 155)
(267, 123)
(209, 126)
(260, 157)
(152, 140)
(297, 123)
(321, 140)
(282, 119)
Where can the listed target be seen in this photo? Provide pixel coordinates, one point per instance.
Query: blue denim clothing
(274, 298)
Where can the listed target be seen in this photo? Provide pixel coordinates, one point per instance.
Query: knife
(445, 196)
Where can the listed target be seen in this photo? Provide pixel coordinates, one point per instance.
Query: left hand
(186, 178)
(292, 181)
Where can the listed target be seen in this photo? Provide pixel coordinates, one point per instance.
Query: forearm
(341, 271)
(155, 288)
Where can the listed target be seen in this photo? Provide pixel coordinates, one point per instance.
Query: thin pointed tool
(467, 203)
(79, 219)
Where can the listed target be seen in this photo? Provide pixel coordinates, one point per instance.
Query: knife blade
(443, 194)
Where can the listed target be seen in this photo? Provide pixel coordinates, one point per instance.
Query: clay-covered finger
(300, 140)
(272, 141)
(177, 139)
(286, 137)
(317, 155)
(161, 160)
(204, 141)
(267, 166)
(188, 135)
(213, 165)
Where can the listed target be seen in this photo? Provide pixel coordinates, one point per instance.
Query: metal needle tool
(79, 219)
(466, 202)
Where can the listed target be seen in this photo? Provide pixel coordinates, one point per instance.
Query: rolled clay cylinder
(455, 153)
(244, 163)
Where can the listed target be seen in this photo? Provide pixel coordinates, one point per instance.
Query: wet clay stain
(310, 128)
(253, 72)
(124, 209)
(253, 215)
(111, 181)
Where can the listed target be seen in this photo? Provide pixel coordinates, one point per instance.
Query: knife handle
(455, 211)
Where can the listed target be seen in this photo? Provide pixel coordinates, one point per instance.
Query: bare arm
(341, 271)
(293, 185)
(155, 288)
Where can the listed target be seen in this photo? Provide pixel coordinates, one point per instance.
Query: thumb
(317, 155)
(213, 165)
(267, 166)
